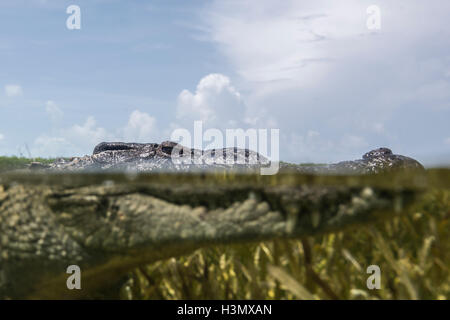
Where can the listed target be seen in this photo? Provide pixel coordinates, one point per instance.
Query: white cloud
(215, 101)
(81, 139)
(302, 40)
(75, 140)
(2, 137)
(219, 105)
(295, 40)
(53, 111)
(13, 90)
(88, 133)
(314, 64)
(141, 127)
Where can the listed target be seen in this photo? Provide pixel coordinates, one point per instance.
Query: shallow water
(431, 178)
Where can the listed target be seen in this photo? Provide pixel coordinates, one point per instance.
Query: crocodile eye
(112, 146)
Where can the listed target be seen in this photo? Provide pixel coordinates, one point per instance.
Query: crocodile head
(108, 229)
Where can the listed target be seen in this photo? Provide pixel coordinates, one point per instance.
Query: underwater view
(223, 234)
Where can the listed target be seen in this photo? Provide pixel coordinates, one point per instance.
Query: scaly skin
(109, 229)
(164, 157)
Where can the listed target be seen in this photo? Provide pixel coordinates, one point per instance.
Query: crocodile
(109, 228)
(171, 156)
(108, 223)
(161, 157)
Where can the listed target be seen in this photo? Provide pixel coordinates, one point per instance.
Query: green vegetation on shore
(14, 163)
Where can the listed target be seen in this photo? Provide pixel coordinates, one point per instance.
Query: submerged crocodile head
(110, 227)
(115, 222)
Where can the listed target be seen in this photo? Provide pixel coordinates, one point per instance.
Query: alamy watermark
(73, 22)
(243, 142)
(374, 280)
(74, 280)
(373, 21)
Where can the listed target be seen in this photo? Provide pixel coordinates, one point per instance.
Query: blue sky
(137, 70)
